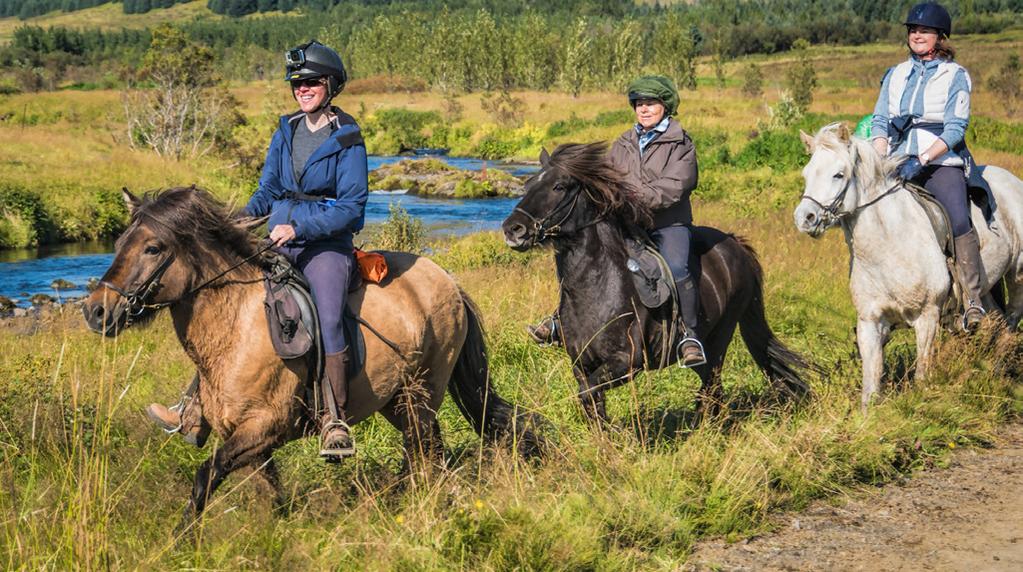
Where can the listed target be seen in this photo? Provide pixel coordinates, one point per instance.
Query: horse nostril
(810, 218)
(97, 312)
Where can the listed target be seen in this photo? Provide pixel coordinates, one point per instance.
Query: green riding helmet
(313, 59)
(655, 87)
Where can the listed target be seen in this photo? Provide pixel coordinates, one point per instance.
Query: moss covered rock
(435, 178)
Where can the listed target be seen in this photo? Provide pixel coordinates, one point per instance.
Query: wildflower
(400, 519)
(951, 444)
(479, 504)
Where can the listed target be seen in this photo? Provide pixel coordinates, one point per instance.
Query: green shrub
(400, 129)
(779, 150)
(26, 220)
(995, 135)
(400, 231)
(493, 146)
(479, 251)
(567, 126)
(752, 81)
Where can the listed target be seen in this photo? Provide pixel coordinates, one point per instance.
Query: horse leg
(926, 329)
(268, 470)
(591, 397)
(421, 434)
(247, 444)
(1014, 304)
(711, 395)
(871, 337)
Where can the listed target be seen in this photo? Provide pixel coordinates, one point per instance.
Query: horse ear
(843, 132)
(248, 223)
(130, 200)
(808, 141)
(545, 157)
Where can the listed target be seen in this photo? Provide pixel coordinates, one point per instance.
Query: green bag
(863, 127)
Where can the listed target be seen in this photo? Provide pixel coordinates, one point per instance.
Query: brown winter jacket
(665, 175)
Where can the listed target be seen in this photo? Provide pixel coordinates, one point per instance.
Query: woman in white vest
(922, 112)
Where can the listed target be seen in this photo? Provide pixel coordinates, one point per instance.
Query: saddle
(650, 272)
(292, 319)
(979, 193)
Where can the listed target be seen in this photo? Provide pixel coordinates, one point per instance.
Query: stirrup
(337, 454)
(973, 306)
(180, 408)
(678, 352)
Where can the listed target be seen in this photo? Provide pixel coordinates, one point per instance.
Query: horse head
(575, 189)
(158, 259)
(842, 170)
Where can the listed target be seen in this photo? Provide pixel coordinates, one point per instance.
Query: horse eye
(559, 187)
(152, 250)
(839, 175)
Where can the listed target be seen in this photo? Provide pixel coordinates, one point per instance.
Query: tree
(675, 50)
(1006, 83)
(180, 115)
(575, 57)
(753, 81)
(801, 78)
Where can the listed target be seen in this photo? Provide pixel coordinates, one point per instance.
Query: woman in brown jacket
(659, 159)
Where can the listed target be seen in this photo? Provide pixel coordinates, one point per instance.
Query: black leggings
(948, 185)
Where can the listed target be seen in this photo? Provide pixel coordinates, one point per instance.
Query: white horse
(897, 270)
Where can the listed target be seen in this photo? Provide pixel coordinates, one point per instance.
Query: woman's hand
(282, 234)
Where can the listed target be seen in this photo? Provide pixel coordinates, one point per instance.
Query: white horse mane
(867, 165)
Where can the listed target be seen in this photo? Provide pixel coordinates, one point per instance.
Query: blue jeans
(673, 243)
(328, 270)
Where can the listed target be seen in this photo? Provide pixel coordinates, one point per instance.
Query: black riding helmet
(932, 15)
(313, 60)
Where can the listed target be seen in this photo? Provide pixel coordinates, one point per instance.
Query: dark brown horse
(581, 204)
(181, 238)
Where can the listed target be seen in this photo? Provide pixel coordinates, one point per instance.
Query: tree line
(469, 45)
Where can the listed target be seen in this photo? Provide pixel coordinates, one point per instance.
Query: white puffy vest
(936, 93)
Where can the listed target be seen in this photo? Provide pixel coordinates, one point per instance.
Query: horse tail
(490, 415)
(782, 366)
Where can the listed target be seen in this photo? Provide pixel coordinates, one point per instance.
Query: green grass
(91, 484)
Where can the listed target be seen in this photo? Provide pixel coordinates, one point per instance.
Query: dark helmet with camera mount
(931, 15)
(313, 60)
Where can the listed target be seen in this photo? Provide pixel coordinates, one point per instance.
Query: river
(26, 272)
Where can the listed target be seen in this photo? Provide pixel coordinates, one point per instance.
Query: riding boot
(547, 332)
(185, 417)
(969, 264)
(335, 441)
(690, 349)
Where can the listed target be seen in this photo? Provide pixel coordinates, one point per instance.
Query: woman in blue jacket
(314, 189)
(923, 111)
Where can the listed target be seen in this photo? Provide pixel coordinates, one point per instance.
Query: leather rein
(138, 297)
(833, 215)
(541, 230)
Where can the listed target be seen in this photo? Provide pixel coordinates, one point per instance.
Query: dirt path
(967, 517)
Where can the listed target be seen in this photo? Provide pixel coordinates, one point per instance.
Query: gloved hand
(911, 169)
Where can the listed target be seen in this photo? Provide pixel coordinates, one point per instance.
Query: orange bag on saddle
(372, 266)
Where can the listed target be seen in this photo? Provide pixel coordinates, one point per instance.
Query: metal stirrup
(678, 351)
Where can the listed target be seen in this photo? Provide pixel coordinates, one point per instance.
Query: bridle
(832, 215)
(541, 230)
(138, 298)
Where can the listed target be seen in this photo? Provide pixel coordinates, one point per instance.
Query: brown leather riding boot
(969, 264)
(335, 441)
(690, 349)
(546, 332)
(185, 417)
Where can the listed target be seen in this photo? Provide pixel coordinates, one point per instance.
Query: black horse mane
(588, 164)
(196, 224)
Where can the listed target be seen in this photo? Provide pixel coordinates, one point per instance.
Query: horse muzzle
(517, 235)
(105, 314)
(810, 219)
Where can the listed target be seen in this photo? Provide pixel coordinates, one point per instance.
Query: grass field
(88, 483)
(109, 17)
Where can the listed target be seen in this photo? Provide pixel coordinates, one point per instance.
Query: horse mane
(870, 168)
(588, 164)
(197, 223)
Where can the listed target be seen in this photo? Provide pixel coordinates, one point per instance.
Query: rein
(138, 297)
(542, 232)
(832, 212)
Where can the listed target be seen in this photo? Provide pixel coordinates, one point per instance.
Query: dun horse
(897, 271)
(179, 239)
(581, 205)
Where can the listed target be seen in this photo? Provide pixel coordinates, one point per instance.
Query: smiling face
(922, 41)
(649, 112)
(310, 93)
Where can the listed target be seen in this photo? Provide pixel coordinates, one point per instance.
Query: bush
(995, 135)
(25, 220)
(400, 231)
(752, 81)
(1006, 83)
(493, 146)
(480, 250)
(779, 150)
(801, 78)
(397, 130)
(611, 118)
